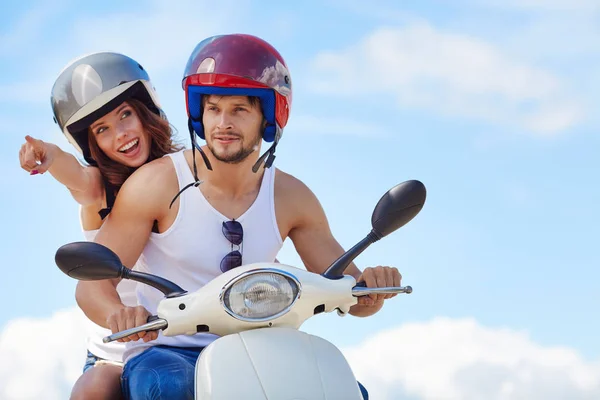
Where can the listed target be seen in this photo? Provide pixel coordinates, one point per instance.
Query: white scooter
(257, 311)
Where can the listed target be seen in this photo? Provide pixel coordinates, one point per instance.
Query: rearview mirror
(88, 261)
(395, 209)
(398, 206)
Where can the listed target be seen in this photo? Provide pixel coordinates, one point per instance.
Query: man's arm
(318, 249)
(140, 202)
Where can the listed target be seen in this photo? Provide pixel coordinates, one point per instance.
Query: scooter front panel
(274, 364)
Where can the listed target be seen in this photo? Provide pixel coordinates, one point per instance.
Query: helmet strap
(269, 154)
(195, 147)
(110, 191)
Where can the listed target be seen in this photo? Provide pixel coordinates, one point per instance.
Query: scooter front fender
(274, 363)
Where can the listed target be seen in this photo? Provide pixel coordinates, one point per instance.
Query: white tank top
(189, 253)
(109, 351)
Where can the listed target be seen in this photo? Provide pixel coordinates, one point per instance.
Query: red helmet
(241, 65)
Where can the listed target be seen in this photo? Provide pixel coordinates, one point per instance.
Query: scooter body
(274, 363)
(259, 357)
(256, 311)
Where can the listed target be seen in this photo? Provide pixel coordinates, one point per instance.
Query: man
(238, 93)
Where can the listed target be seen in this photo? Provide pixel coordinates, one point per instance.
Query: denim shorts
(92, 360)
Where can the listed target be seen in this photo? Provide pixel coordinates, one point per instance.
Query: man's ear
(263, 127)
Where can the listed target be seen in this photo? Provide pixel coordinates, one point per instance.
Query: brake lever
(361, 289)
(154, 323)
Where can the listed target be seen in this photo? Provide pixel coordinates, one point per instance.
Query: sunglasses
(233, 231)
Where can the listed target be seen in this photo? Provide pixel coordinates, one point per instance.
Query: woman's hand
(36, 156)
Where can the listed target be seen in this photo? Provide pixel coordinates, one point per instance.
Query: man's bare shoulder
(151, 184)
(296, 199)
(289, 187)
(153, 174)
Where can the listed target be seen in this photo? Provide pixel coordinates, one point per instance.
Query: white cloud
(563, 32)
(307, 124)
(161, 36)
(380, 10)
(447, 359)
(450, 74)
(544, 5)
(518, 194)
(42, 358)
(35, 91)
(443, 359)
(28, 28)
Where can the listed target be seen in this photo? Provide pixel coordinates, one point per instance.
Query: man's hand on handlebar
(131, 317)
(379, 277)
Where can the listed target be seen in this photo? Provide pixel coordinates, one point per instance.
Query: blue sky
(491, 104)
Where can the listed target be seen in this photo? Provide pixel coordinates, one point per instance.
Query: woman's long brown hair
(161, 140)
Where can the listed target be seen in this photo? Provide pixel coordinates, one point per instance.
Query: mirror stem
(168, 288)
(336, 270)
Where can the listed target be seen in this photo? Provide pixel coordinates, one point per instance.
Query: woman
(107, 108)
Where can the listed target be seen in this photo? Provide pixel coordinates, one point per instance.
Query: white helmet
(92, 86)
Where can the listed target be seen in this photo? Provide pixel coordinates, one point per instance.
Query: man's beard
(238, 156)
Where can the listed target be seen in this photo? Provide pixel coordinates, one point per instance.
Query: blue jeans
(90, 361)
(164, 372)
(161, 372)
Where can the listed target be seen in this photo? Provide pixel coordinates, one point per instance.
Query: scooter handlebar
(361, 289)
(154, 323)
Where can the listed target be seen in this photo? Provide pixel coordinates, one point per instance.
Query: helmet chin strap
(195, 147)
(269, 154)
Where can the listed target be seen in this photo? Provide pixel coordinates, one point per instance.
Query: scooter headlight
(260, 295)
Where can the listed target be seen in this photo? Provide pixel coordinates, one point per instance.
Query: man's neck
(231, 179)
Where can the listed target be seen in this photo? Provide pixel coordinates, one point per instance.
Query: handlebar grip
(361, 289)
(154, 324)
